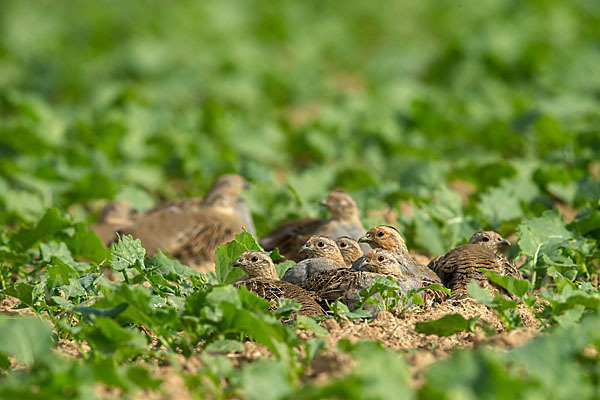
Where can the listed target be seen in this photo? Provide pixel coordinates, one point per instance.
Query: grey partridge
(350, 249)
(223, 183)
(192, 234)
(263, 280)
(115, 215)
(388, 238)
(323, 254)
(459, 266)
(345, 283)
(385, 262)
(290, 236)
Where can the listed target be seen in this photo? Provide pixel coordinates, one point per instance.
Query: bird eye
(343, 244)
(499, 239)
(254, 259)
(486, 239)
(380, 258)
(320, 244)
(380, 233)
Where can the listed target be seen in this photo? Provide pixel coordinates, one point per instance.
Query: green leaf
(309, 323)
(447, 325)
(227, 253)
(543, 234)
(86, 244)
(27, 339)
(92, 312)
(126, 253)
(265, 379)
(225, 346)
(518, 287)
(478, 293)
(51, 223)
(60, 274)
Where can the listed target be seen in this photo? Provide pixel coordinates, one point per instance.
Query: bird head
(340, 205)
(381, 261)
(256, 264)
(321, 246)
(385, 237)
(491, 240)
(349, 248)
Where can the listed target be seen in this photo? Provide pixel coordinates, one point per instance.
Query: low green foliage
(452, 118)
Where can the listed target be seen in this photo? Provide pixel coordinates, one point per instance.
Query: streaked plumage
(263, 280)
(459, 266)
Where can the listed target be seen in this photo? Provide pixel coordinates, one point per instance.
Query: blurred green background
(456, 115)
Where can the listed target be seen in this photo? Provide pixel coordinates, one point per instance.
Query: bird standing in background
(189, 231)
(459, 266)
(290, 236)
(350, 249)
(323, 254)
(264, 281)
(388, 238)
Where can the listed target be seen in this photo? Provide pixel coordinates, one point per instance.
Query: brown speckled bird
(344, 283)
(350, 249)
(192, 234)
(323, 254)
(223, 183)
(290, 236)
(459, 266)
(385, 262)
(263, 280)
(388, 238)
(115, 215)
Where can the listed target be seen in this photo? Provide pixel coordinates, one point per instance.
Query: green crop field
(441, 118)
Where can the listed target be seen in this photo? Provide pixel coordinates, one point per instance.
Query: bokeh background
(441, 117)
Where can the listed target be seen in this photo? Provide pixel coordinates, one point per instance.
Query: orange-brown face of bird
(322, 246)
(340, 205)
(256, 264)
(382, 262)
(385, 237)
(349, 248)
(491, 240)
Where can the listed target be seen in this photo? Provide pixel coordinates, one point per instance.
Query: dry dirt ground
(394, 332)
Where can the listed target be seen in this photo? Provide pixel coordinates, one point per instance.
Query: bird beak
(246, 184)
(238, 263)
(303, 249)
(365, 239)
(323, 203)
(503, 244)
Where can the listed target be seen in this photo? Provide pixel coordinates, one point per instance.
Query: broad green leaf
(265, 379)
(28, 339)
(225, 346)
(51, 223)
(126, 253)
(518, 287)
(309, 323)
(447, 325)
(227, 253)
(60, 274)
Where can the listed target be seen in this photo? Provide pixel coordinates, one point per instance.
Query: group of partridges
(335, 257)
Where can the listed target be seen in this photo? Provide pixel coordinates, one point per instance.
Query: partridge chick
(388, 238)
(263, 280)
(350, 249)
(290, 236)
(323, 254)
(459, 266)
